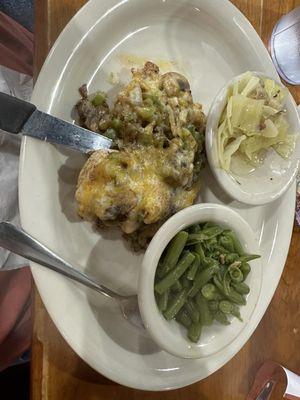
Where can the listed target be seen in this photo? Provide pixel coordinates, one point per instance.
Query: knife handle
(14, 113)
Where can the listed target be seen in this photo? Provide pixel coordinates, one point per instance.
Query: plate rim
(256, 42)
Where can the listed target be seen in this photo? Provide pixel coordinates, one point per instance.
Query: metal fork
(20, 242)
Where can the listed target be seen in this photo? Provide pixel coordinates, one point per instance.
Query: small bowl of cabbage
(252, 138)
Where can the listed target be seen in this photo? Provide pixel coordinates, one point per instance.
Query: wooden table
(59, 374)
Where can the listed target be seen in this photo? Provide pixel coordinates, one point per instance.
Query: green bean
(209, 225)
(183, 318)
(208, 250)
(211, 242)
(245, 268)
(236, 243)
(213, 305)
(206, 317)
(226, 231)
(221, 249)
(221, 318)
(162, 301)
(236, 297)
(241, 287)
(235, 273)
(212, 231)
(215, 254)
(194, 228)
(202, 278)
(231, 257)
(208, 262)
(205, 234)
(205, 283)
(169, 280)
(232, 295)
(210, 292)
(212, 262)
(218, 283)
(176, 303)
(174, 250)
(221, 272)
(158, 270)
(176, 287)
(200, 252)
(186, 283)
(194, 239)
(194, 267)
(192, 311)
(227, 243)
(249, 257)
(225, 306)
(236, 312)
(226, 283)
(194, 332)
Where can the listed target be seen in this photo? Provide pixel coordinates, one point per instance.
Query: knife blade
(54, 130)
(18, 116)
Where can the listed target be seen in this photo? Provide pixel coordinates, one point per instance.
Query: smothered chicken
(153, 168)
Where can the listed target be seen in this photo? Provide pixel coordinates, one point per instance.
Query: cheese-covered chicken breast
(153, 171)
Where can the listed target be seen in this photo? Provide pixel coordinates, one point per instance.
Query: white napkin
(18, 85)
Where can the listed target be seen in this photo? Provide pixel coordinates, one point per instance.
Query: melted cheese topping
(132, 187)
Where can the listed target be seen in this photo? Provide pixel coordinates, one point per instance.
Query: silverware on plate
(20, 242)
(18, 116)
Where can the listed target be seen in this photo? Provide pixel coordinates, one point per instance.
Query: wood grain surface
(59, 374)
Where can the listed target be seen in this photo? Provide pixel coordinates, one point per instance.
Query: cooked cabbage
(254, 121)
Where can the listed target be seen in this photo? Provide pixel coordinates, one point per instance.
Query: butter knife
(20, 117)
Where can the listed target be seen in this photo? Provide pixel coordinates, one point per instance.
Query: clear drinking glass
(285, 47)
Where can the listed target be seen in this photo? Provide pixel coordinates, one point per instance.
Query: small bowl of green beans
(200, 280)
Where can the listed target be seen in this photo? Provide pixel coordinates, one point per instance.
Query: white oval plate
(197, 35)
(270, 180)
